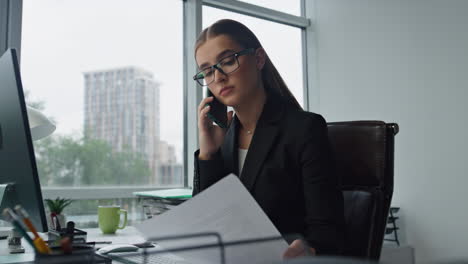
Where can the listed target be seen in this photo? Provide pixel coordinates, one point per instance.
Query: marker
(38, 241)
(8, 213)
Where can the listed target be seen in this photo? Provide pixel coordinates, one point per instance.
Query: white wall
(406, 62)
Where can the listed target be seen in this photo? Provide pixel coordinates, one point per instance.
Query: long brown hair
(274, 84)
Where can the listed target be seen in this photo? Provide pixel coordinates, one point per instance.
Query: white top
(242, 155)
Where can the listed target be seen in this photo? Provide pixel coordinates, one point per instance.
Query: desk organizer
(54, 236)
(81, 254)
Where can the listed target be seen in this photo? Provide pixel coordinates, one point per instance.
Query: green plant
(56, 206)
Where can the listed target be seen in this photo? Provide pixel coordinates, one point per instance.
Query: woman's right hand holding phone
(210, 136)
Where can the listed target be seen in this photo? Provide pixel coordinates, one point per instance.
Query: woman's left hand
(298, 248)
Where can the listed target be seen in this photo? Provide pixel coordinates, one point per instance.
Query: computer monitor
(18, 168)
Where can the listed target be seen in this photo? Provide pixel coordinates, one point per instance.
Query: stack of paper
(228, 209)
(181, 193)
(159, 201)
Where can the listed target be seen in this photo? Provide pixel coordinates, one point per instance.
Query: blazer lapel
(229, 149)
(263, 139)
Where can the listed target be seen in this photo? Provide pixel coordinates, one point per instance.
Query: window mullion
(309, 48)
(192, 95)
(94, 192)
(10, 25)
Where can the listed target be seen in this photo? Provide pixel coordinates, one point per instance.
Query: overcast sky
(61, 39)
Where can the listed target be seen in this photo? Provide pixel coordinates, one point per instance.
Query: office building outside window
(128, 119)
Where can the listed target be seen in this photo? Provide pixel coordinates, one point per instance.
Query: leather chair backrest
(364, 152)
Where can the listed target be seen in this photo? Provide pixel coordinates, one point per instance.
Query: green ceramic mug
(109, 218)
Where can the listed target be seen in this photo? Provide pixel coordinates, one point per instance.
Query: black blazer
(289, 172)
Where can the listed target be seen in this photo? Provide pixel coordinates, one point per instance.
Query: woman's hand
(298, 248)
(210, 136)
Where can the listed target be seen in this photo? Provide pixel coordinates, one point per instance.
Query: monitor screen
(17, 161)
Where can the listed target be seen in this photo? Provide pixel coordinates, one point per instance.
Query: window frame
(10, 37)
(10, 25)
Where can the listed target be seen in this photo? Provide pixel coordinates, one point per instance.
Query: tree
(65, 161)
(59, 161)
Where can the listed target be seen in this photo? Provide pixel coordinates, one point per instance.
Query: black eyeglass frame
(200, 75)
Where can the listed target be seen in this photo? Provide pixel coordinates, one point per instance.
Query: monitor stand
(4, 230)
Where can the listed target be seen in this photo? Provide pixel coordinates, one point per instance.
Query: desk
(128, 235)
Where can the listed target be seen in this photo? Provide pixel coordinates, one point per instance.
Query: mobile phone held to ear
(218, 111)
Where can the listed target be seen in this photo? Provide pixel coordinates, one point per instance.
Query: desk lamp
(39, 124)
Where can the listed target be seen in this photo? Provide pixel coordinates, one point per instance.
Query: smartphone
(218, 111)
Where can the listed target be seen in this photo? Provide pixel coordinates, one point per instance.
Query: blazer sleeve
(323, 199)
(207, 172)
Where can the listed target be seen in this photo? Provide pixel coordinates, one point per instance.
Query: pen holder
(79, 254)
(79, 236)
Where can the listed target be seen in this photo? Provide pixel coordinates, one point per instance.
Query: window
(286, 54)
(110, 74)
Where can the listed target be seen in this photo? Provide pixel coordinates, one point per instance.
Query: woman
(280, 152)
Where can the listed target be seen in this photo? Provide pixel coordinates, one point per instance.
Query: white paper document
(226, 208)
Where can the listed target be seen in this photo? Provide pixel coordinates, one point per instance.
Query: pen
(8, 213)
(38, 241)
(98, 242)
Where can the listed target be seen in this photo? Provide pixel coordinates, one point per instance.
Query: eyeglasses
(226, 66)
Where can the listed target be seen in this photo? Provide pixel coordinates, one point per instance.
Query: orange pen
(38, 241)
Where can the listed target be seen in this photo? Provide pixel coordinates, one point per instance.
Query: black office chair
(364, 153)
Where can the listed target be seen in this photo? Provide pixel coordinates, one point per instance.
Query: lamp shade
(40, 125)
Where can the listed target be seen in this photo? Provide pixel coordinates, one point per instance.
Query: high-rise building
(122, 108)
(170, 172)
